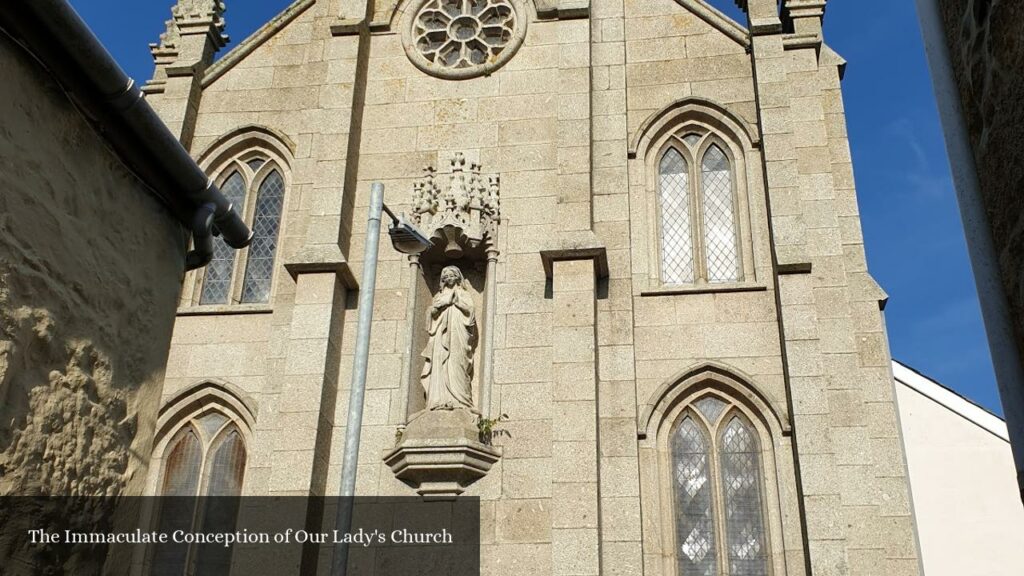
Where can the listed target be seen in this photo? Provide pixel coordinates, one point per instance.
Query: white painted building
(970, 520)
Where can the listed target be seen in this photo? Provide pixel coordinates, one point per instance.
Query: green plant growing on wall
(488, 428)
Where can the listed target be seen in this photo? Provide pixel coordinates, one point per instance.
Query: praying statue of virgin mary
(448, 358)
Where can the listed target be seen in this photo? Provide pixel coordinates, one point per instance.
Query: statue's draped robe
(448, 365)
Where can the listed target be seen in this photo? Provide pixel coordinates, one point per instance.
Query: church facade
(648, 274)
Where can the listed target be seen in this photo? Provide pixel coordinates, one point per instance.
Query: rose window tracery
(464, 38)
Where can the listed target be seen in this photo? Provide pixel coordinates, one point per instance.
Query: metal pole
(357, 390)
(995, 310)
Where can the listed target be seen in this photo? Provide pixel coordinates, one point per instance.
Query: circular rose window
(463, 38)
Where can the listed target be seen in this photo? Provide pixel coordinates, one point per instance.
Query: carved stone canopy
(460, 211)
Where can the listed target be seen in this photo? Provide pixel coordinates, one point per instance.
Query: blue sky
(912, 228)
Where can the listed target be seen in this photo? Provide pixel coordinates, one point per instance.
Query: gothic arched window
(201, 480)
(717, 492)
(699, 240)
(676, 231)
(255, 184)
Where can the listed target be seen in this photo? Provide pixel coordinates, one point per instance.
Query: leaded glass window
(741, 486)
(717, 493)
(182, 465)
(217, 277)
(259, 269)
(256, 187)
(698, 235)
(723, 262)
(205, 458)
(695, 520)
(676, 236)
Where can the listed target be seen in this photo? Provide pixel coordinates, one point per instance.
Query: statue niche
(447, 374)
(439, 451)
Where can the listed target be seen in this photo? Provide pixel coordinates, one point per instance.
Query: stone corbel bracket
(562, 9)
(440, 454)
(582, 245)
(319, 259)
(352, 26)
(441, 470)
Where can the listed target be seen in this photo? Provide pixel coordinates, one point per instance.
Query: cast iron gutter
(53, 32)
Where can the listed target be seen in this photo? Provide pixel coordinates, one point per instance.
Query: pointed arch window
(255, 185)
(718, 495)
(698, 216)
(205, 458)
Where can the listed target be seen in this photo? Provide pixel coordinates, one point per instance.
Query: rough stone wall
(90, 265)
(89, 271)
(987, 53)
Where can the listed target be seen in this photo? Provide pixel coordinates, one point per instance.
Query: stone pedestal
(440, 454)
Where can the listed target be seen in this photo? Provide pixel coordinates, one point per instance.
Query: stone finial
(199, 9)
(463, 212)
(805, 13)
(190, 39)
(805, 18)
(763, 16)
(192, 17)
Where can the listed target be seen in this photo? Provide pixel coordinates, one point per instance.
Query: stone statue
(448, 366)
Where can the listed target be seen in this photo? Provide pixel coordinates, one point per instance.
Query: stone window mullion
(242, 255)
(235, 173)
(257, 273)
(697, 202)
(718, 502)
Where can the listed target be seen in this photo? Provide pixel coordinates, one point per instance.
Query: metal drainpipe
(984, 258)
(357, 390)
(62, 42)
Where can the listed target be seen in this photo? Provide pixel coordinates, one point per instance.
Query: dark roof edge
(947, 388)
(57, 37)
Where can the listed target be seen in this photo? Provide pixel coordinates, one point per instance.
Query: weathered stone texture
(86, 308)
(578, 357)
(90, 270)
(987, 53)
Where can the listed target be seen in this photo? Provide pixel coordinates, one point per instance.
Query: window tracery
(699, 230)
(205, 458)
(460, 39)
(717, 492)
(254, 183)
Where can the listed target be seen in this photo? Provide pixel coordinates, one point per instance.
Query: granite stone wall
(572, 123)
